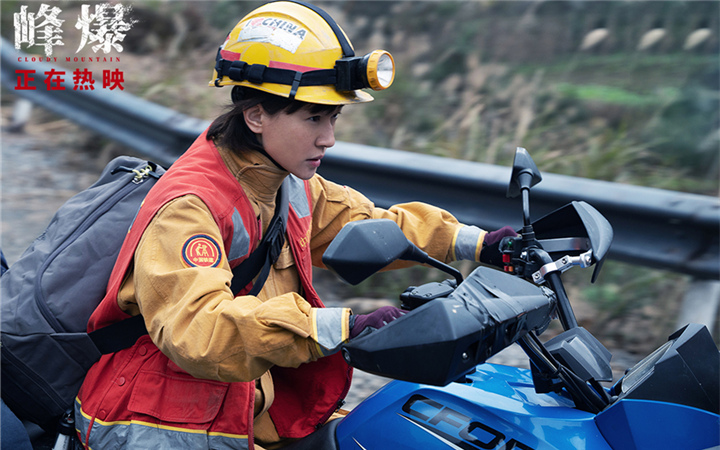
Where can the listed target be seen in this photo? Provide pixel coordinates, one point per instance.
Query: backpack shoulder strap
(119, 335)
(124, 334)
(267, 252)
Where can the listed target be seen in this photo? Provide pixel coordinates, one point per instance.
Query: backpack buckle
(141, 174)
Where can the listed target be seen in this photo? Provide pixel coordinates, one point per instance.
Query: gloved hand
(490, 253)
(376, 319)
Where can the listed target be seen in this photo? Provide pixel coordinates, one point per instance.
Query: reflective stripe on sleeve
(468, 243)
(330, 328)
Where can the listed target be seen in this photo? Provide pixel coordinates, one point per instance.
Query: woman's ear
(253, 118)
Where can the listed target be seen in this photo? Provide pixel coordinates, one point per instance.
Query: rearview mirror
(364, 247)
(525, 173)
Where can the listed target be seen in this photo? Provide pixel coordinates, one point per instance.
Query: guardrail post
(700, 304)
(22, 110)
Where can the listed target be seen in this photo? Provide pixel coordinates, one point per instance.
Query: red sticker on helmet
(201, 251)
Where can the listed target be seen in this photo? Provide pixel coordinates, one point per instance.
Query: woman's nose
(327, 136)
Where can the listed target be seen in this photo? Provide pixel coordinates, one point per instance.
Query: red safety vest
(138, 393)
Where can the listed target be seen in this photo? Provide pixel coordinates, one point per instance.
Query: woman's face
(296, 141)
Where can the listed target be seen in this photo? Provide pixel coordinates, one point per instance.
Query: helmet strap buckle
(295, 85)
(255, 73)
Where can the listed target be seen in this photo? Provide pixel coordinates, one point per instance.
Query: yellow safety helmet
(296, 50)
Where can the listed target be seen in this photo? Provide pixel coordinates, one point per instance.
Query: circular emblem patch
(201, 251)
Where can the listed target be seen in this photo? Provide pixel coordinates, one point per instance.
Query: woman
(253, 370)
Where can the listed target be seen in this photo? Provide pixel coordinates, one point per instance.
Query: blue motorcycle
(446, 397)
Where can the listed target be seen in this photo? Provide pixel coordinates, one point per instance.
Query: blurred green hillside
(477, 79)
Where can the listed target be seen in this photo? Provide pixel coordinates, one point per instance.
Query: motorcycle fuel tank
(495, 407)
(663, 402)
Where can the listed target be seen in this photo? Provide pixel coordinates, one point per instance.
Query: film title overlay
(39, 32)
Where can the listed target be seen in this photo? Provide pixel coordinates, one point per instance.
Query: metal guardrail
(653, 227)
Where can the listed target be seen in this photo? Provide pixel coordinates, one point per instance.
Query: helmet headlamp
(376, 71)
(380, 70)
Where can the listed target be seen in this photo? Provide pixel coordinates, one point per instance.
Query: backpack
(3, 263)
(48, 295)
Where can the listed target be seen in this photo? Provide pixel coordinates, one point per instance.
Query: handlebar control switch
(510, 248)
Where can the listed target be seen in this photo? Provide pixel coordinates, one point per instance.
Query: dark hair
(230, 130)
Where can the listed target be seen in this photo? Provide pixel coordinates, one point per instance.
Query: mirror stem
(414, 253)
(528, 233)
(526, 207)
(446, 268)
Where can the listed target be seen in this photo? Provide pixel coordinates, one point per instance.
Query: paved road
(37, 177)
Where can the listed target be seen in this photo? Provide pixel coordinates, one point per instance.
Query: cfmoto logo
(454, 427)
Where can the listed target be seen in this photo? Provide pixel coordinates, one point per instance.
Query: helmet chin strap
(262, 151)
(238, 95)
